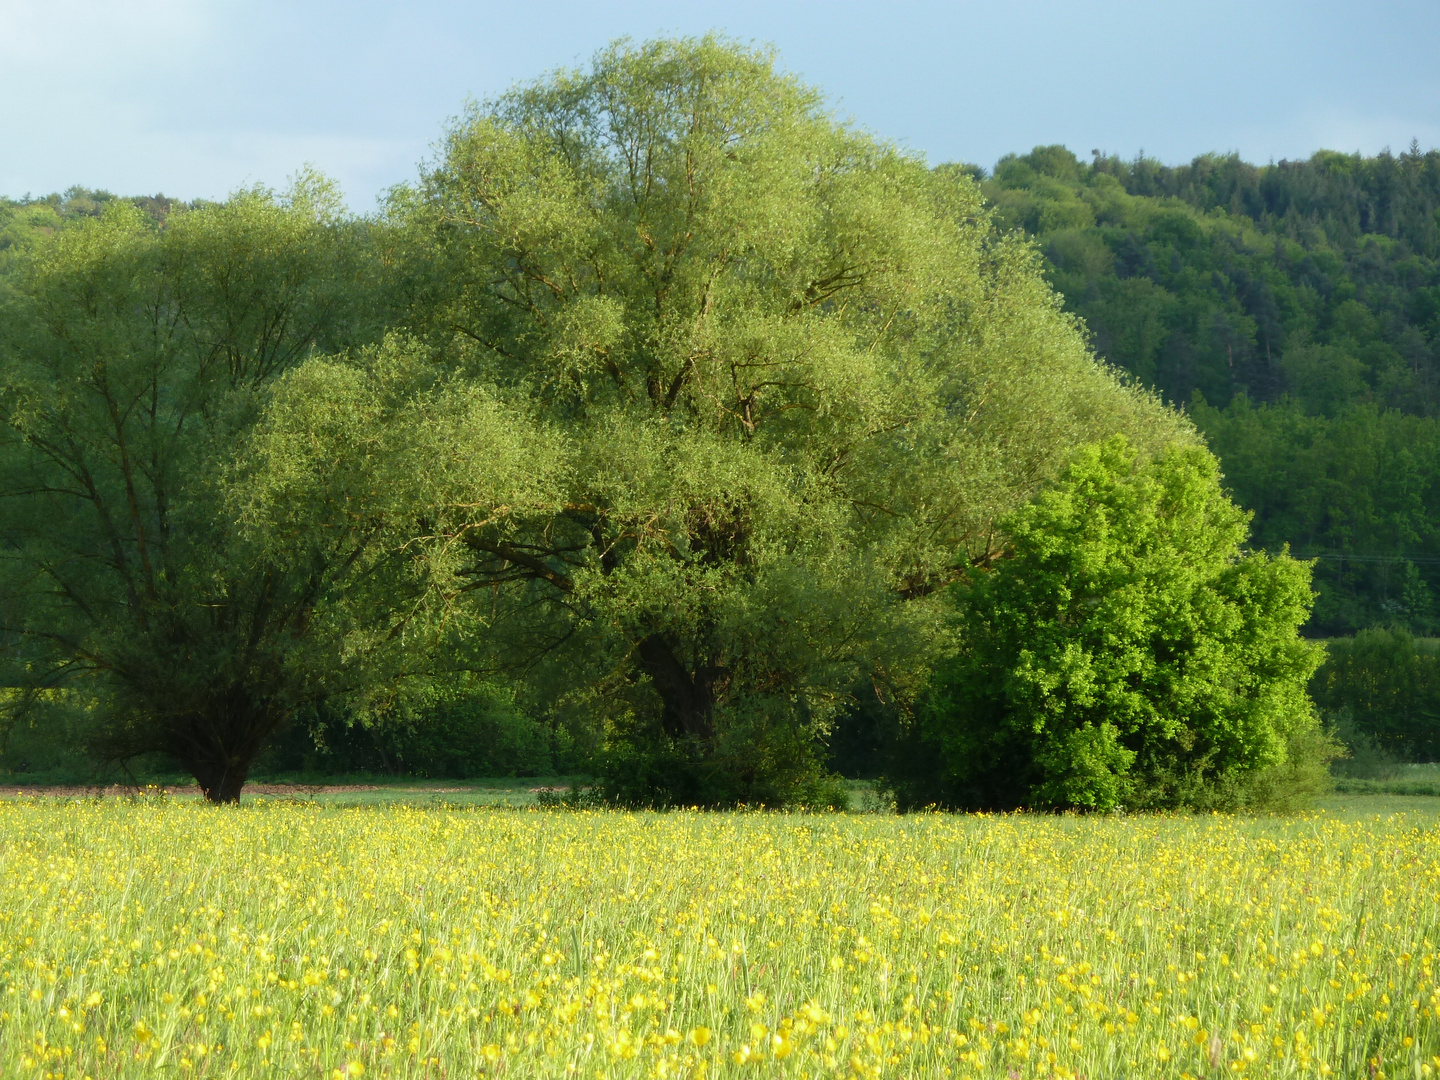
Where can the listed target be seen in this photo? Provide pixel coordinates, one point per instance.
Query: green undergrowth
(1346, 786)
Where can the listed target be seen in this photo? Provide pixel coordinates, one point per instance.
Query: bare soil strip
(192, 790)
(94, 790)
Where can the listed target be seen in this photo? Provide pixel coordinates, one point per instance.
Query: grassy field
(1407, 780)
(303, 937)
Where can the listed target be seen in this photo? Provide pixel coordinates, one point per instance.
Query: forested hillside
(23, 220)
(1294, 309)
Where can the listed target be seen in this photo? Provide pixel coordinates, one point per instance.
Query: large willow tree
(787, 378)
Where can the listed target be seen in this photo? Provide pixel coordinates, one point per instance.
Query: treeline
(1381, 690)
(661, 427)
(1294, 310)
(24, 221)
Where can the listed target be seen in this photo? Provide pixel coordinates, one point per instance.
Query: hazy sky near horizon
(195, 98)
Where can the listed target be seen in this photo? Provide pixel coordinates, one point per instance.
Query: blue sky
(198, 97)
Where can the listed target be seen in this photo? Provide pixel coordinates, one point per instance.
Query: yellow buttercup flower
(399, 938)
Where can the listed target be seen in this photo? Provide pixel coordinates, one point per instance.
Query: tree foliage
(1383, 685)
(779, 381)
(1301, 302)
(1361, 488)
(1125, 653)
(666, 408)
(136, 359)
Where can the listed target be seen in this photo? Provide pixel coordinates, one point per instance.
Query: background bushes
(1381, 691)
(456, 735)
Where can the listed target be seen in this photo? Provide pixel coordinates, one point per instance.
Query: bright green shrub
(1127, 652)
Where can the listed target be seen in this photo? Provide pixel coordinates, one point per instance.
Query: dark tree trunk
(687, 698)
(219, 746)
(222, 784)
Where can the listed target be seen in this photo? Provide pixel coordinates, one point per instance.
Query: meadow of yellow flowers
(163, 937)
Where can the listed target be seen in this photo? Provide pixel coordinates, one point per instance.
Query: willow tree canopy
(781, 380)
